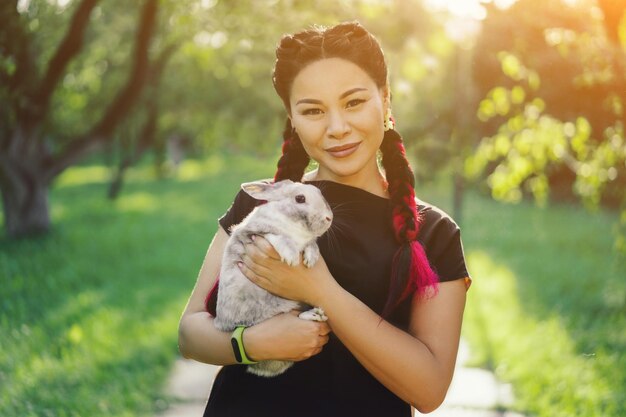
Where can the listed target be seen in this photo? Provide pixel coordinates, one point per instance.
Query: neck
(372, 180)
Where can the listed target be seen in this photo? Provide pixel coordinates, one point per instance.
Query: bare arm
(282, 337)
(416, 365)
(197, 337)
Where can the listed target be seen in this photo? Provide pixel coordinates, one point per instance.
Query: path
(474, 392)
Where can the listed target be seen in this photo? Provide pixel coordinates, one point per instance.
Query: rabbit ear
(265, 191)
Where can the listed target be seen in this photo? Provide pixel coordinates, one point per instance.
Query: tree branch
(129, 93)
(161, 61)
(120, 106)
(16, 43)
(68, 49)
(8, 19)
(147, 137)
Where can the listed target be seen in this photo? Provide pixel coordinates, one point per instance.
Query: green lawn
(547, 310)
(88, 314)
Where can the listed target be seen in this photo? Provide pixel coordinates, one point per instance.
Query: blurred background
(127, 127)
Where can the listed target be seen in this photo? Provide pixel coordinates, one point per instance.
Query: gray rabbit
(294, 216)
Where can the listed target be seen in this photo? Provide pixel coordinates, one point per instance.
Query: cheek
(309, 131)
(310, 148)
(373, 123)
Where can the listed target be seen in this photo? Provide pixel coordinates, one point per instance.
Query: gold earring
(389, 123)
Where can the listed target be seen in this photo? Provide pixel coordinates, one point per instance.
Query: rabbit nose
(329, 219)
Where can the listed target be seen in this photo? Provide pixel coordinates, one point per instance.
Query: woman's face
(338, 111)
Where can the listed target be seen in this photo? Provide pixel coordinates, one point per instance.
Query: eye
(355, 102)
(300, 199)
(312, 112)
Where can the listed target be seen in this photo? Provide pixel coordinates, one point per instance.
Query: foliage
(565, 45)
(547, 309)
(532, 147)
(226, 99)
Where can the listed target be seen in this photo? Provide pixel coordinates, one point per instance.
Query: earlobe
(293, 128)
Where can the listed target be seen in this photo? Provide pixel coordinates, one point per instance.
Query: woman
(392, 280)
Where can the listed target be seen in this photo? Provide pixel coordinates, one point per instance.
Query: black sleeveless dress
(358, 251)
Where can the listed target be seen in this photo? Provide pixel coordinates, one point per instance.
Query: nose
(338, 126)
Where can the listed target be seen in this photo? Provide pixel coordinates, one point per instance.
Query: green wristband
(236, 339)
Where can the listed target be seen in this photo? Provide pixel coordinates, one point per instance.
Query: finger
(252, 250)
(265, 247)
(251, 275)
(257, 265)
(248, 267)
(245, 269)
(258, 255)
(323, 329)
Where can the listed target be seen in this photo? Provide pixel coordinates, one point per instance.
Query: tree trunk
(25, 198)
(27, 166)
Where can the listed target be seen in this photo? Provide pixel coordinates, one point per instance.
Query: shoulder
(441, 237)
(435, 219)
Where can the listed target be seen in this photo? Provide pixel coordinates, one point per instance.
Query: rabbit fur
(294, 216)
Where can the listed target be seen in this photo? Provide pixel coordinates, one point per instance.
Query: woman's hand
(261, 264)
(285, 337)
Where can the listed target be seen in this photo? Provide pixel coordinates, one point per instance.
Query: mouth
(344, 150)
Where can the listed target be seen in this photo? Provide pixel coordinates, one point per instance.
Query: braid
(410, 270)
(294, 160)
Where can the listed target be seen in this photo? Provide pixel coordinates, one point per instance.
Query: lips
(344, 150)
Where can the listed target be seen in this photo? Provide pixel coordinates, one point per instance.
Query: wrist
(322, 292)
(239, 347)
(251, 339)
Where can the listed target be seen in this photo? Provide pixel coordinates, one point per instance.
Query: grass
(547, 310)
(88, 314)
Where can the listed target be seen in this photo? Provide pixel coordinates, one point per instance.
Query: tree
(540, 125)
(29, 158)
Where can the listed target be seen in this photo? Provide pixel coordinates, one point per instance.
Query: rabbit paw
(314, 314)
(289, 256)
(285, 248)
(311, 255)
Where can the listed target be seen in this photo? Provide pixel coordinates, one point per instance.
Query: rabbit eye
(300, 199)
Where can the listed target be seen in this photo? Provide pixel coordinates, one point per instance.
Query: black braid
(294, 160)
(411, 271)
(401, 185)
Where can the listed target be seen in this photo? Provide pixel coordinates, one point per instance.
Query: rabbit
(294, 216)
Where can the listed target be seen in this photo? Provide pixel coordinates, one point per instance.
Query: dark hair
(349, 41)
(411, 271)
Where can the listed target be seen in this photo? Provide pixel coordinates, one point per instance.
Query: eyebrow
(344, 95)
